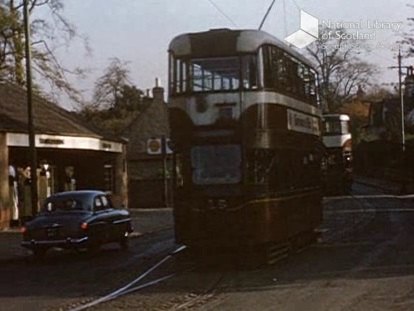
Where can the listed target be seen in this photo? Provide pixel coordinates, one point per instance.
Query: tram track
(200, 295)
(357, 222)
(193, 300)
(206, 292)
(363, 212)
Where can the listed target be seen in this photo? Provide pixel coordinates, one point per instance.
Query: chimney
(158, 91)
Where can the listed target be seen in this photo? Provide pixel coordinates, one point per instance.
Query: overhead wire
(266, 14)
(300, 8)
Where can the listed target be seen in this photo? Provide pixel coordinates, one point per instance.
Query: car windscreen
(62, 204)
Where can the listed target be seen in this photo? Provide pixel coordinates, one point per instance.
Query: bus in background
(245, 124)
(337, 139)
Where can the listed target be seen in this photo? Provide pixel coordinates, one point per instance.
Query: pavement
(144, 221)
(386, 186)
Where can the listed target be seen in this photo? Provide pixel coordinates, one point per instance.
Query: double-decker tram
(245, 123)
(337, 139)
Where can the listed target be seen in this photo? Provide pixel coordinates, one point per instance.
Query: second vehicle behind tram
(337, 139)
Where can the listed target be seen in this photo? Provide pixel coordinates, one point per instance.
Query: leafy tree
(131, 99)
(46, 36)
(341, 70)
(116, 100)
(365, 109)
(109, 87)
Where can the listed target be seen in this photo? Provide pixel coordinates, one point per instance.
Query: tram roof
(227, 42)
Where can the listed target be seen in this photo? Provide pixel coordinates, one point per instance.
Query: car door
(100, 226)
(120, 220)
(111, 219)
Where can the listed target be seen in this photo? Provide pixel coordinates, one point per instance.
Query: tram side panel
(251, 217)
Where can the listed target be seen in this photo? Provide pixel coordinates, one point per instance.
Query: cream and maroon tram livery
(245, 124)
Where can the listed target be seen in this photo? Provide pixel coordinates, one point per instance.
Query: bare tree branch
(47, 36)
(340, 70)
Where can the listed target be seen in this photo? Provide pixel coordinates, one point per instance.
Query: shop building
(149, 164)
(70, 155)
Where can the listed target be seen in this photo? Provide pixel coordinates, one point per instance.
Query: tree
(341, 70)
(109, 87)
(46, 36)
(116, 100)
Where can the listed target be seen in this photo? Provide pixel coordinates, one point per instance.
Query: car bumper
(69, 242)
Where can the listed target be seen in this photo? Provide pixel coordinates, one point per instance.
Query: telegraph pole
(164, 168)
(401, 94)
(401, 101)
(31, 131)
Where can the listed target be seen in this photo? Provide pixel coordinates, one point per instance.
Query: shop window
(109, 178)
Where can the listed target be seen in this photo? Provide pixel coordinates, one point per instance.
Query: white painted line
(378, 196)
(178, 250)
(142, 286)
(127, 287)
(371, 210)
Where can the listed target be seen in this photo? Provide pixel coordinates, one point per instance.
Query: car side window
(105, 202)
(98, 206)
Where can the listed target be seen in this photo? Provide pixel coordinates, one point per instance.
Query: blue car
(77, 220)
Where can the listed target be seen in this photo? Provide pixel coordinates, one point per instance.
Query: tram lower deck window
(216, 164)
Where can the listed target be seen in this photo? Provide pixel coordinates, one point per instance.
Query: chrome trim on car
(120, 221)
(54, 242)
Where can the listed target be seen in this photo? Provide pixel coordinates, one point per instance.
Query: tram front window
(215, 74)
(216, 164)
(335, 127)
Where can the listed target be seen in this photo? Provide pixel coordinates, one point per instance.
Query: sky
(139, 31)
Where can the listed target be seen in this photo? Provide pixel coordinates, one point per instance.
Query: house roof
(151, 122)
(48, 117)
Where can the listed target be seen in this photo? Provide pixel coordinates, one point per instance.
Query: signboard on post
(155, 146)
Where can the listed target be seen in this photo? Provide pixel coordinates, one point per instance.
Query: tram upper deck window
(288, 75)
(215, 74)
(216, 164)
